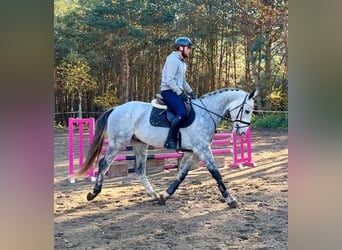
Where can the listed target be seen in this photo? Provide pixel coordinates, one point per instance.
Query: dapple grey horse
(129, 124)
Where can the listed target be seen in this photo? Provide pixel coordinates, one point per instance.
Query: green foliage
(75, 76)
(63, 7)
(278, 99)
(106, 101)
(224, 125)
(273, 120)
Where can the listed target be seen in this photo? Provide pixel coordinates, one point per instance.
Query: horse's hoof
(233, 204)
(162, 200)
(155, 201)
(91, 196)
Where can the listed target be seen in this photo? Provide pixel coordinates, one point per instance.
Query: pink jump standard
(242, 150)
(80, 123)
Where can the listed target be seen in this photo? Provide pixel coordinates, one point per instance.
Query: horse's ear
(253, 94)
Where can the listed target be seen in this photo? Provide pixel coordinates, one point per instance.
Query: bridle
(227, 116)
(239, 115)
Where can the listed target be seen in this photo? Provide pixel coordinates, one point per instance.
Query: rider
(174, 88)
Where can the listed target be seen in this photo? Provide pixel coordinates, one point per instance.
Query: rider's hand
(192, 95)
(183, 97)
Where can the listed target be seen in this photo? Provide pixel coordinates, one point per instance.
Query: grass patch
(272, 120)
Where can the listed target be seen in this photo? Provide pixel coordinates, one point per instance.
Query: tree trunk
(254, 72)
(79, 104)
(248, 64)
(220, 68)
(234, 64)
(125, 75)
(285, 41)
(268, 84)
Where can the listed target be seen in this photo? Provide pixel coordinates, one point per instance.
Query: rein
(227, 116)
(210, 112)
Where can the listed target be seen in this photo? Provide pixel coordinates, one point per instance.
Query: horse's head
(240, 112)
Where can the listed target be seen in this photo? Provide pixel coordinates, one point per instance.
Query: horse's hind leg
(140, 151)
(211, 166)
(104, 164)
(184, 167)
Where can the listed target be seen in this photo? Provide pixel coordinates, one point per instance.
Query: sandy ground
(195, 217)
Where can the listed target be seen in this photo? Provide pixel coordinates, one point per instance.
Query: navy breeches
(174, 102)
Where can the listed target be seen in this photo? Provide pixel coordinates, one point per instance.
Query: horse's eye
(247, 111)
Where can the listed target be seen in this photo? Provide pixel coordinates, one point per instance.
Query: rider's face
(186, 51)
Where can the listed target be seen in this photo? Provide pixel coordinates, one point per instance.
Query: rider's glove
(183, 97)
(192, 95)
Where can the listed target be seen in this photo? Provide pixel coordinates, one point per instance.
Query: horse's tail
(96, 145)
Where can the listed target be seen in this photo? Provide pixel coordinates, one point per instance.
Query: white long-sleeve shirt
(173, 75)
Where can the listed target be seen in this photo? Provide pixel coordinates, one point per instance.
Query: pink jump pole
(219, 140)
(222, 135)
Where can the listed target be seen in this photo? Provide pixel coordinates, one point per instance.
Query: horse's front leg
(184, 167)
(210, 164)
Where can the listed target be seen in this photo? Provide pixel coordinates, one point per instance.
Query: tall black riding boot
(171, 140)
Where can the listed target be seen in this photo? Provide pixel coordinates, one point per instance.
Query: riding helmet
(183, 41)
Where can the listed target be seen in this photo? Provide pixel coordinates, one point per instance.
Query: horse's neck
(219, 102)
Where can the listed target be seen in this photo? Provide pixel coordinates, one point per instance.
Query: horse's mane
(219, 91)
